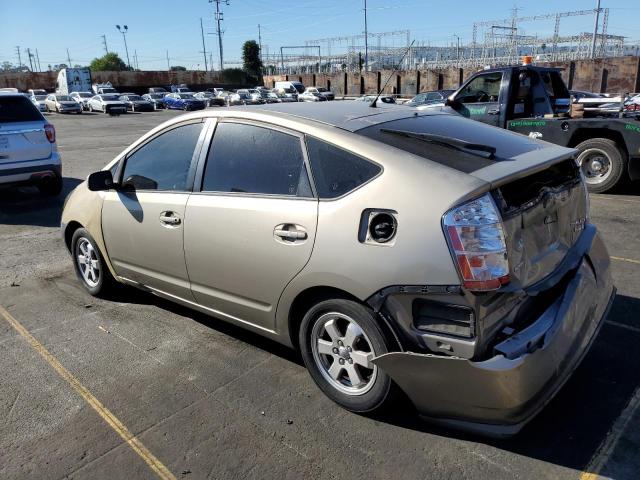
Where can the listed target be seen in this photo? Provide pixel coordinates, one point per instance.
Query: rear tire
(90, 266)
(337, 340)
(51, 187)
(603, 164)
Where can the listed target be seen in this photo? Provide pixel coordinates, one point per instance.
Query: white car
(82, 98)
(61, 104)
(28, 151)
(107, 103)
(309, 95)
(38, 101)
(37, 91)
(328, 94)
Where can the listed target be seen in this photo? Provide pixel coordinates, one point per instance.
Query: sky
(158, 26)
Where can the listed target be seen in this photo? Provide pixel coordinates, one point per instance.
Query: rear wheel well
(583, 134)
(305, 300)
(69, 231)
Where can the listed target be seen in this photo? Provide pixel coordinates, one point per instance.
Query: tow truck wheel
(602, 163)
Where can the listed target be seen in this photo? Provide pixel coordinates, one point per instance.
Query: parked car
(157, 90)
(283, 97)
(210, 99)
(37, 91)
(328, 94)
(82, 98)
(156, 99)
(239, 98)
(224, 95)
(183, 101)
(466, 307)
(429, 98)
(182, 88)
(136, 103)
(273, 98)
(28, 151)
(61, 104)
(382, 98)
(288, 92)
(107, 103)
(103, 88)
(251, 96)
(310, 95)
(290, 86)
(215, 90)
(39, 102)
(579, 95)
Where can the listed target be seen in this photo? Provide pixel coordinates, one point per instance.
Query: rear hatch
(22, 135)
(536, 185)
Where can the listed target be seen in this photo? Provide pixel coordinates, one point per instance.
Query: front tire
(89, 264)
(338, 339)
(603, 164)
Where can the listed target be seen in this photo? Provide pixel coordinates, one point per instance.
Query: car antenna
(375, 100)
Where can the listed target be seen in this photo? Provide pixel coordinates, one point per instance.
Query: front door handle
(290, 232)
(494, 111)
(170, 218)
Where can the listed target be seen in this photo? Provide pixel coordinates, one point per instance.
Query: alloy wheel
(595, 165)
(88, 263)
(343, 353)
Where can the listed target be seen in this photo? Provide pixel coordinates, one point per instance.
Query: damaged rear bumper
(500, 395)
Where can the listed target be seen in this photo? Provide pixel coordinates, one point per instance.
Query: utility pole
(219, 29)
(592, 53)
(38, 58)
(124, 31)
(204, 48)
(457, 49)
(68, 58)
(104, 42)
(29, 56)
(168, 66)
(366, 39)
(135, 59)
(19, 58)
(260, 42)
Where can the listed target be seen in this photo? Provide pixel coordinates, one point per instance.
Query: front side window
(164, 162)
(250, 159)
(483, 88)
(337, 171)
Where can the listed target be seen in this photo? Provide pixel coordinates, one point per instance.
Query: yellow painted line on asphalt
(622, 259)
(607, 447)
(136, 445)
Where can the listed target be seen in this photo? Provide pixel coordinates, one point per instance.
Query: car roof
(347, 115)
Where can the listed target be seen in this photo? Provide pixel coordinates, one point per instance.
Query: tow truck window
(483, 88)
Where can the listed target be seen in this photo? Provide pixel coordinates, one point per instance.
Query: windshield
(135, 97)
(85, 95)
(185, 95)
(108, 90)
(322, 89)
(110, 98)
(41, 97)
(299, 87)
(156, 95)
(243, 95)
(64, 98)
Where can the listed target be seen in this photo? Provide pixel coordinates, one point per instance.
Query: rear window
(454, 127)
(337, 171)
(18, 109)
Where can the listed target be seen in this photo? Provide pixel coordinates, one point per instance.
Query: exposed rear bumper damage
(500, 395)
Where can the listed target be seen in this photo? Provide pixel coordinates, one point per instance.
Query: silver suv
(462, 270)
(28, 152)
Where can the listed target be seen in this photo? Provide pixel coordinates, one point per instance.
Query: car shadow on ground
(27, 206)
(567, 432)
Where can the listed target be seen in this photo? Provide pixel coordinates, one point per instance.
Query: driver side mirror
(100, 181)
(452, 102)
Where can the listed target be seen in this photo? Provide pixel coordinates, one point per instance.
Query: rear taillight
(475, 235)
(50, 132)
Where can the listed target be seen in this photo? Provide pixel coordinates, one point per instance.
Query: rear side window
(337, 171)
(250, 159)
(164, 162)
(18, 109)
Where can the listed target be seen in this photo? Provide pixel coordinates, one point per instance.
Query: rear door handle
(169, 218)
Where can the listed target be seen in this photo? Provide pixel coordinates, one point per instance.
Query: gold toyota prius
(398, 250)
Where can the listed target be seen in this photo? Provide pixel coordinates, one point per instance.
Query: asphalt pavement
(137, 387)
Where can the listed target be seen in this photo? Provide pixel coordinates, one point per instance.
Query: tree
(178, 68)
(251, 62)
(110, 62)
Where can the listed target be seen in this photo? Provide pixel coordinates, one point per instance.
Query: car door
(479, 98)
(252, 224)
(144, 218)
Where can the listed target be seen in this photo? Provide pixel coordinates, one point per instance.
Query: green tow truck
(535, 101)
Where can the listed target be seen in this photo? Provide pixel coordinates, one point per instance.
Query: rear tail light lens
(475, 234)
(50, 132)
